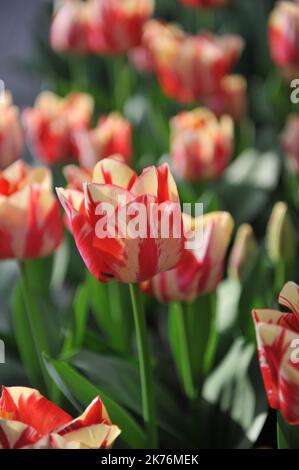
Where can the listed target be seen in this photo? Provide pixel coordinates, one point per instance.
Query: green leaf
(24, 338)
(76, 386)
(120, 379)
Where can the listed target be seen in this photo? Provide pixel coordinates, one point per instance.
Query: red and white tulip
(284, 38)
(189, 67)
(51, 124)
(30, 220)
(120, 255)
(201, 146)
(30, 421)
(277, 337)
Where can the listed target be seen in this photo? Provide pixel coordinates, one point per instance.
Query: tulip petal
(289, 297)
(114, 172)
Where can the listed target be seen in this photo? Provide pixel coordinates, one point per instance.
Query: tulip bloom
(30, 421)
(123, 255)
(51, 124)
(189, 67)
(231, 98)
(205, 3)
(11, 138)
(201, 146)
(200, 270)
(70, 27)
(99, 26)
(277, 338)
(281, 235)
(290, 142)
(113, 135)
(30, 220)
(284, 38)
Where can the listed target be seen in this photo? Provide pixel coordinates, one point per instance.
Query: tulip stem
(35, 322)
(147, 392)
(186, 372)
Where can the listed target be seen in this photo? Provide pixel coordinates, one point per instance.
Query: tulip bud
(243, 253)
(281, 237)
(284, 38)
(201, 145)
(290, 142)
(11, 139)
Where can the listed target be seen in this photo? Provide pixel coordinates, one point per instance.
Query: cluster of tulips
(97, 163)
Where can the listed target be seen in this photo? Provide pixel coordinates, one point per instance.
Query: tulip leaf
(201, 335)
(24, 338)
(120, 379)
(75, 385)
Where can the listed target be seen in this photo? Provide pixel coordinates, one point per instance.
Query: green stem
(35, 322)
(187, 376)
(147, 392)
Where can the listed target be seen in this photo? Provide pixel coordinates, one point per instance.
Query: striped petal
(113, 171)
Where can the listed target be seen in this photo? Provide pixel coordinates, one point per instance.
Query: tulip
(277, 338)
(113, 135)
(284, 38)
(205, 3)
(118, 24)
(52, 123)
(123, 255)
(30, 221)
(281, 237)
(244, 252)
(99, 26)
(70, 27)
(189, 67)
(290, 142)
(30, 421)
(200, 270)
(11, 139)
(201, 146)
(230, 99)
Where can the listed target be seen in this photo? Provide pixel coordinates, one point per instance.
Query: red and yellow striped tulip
(30, 220)
(11, 138)
(284, 38)
(200, 270)
(201, 146)
(205, 3)
(99, 26)
(122, 256)
(231, 98)
(51, 124)
(290, 142)
(278, 340)
(189, 67)
(30, 421)
(113, 135)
